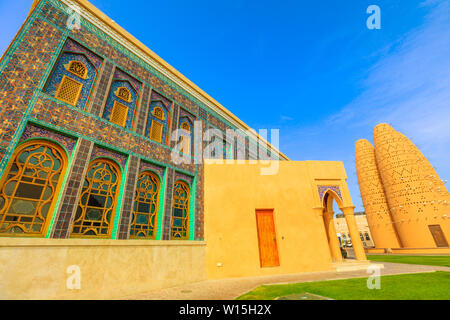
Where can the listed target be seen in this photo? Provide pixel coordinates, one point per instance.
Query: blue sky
(310, 68)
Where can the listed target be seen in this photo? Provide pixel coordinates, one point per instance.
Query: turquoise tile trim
(108, 146)
(68, 106)
(123, 182)
(192, 210)
(45, 96)
(66, 175)
(162, 204)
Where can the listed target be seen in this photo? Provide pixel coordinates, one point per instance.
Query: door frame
(272, 210)
(431, 227)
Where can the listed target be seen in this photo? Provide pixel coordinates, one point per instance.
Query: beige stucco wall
(234, 191)
(37, 268)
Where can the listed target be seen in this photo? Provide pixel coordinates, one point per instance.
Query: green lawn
(443, 261)
(419, 286)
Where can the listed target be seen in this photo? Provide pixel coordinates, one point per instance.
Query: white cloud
(410, 88)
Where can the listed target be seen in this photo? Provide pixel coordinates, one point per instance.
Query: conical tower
(373, 197)
(417, 198)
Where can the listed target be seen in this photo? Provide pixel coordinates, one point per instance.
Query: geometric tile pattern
(100, 92)
(168, 204)
(128, 199)
(152, 167)
(164, 105)
(61, 71)
(186, 178)
(323, 189)
(76, 121)
(21, 75)
(199, 200)
(113, 99)
(101, 152)
(72, 190)
(32, 131)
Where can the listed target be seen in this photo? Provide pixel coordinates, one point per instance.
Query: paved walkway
(228, 289)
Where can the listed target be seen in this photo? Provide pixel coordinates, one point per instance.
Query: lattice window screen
(69, 91)
(156, 131)
(185, 145)
(119, 114)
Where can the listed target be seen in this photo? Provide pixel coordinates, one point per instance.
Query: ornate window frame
(155, 201)
(72, 68)
(114, 110)
(64, 80)
(7, 178)
(123, 93)
(184, 205)
(84, 206)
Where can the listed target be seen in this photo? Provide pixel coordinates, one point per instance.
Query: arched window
(185, 138)
(95, 212)
(157, 122)
(367, 236)
(156, 130)
(78, 68)
(72, 79)
(361, 236)
(180, 211)
(158, 113)
(121, 103)
(69, 88)
(146, 205)
(124, 94)
(29, 188)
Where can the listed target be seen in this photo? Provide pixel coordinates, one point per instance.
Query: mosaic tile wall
(149, 166)
(99, 152)
(72, 190)
(112, 98)
(155, 104)
(323, 189)
(29, 73)
(32, 131)
(100, 93)
(21, 73)
(128, 198)
(61, 70)
(121, 79)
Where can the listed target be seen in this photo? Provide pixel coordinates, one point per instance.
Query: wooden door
(268, 251)
(438, 235)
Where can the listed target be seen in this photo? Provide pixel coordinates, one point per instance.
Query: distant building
(363, 228)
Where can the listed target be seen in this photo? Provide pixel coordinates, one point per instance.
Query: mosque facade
(106, 182)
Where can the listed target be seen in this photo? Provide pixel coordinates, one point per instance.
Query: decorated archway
(327, 196)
